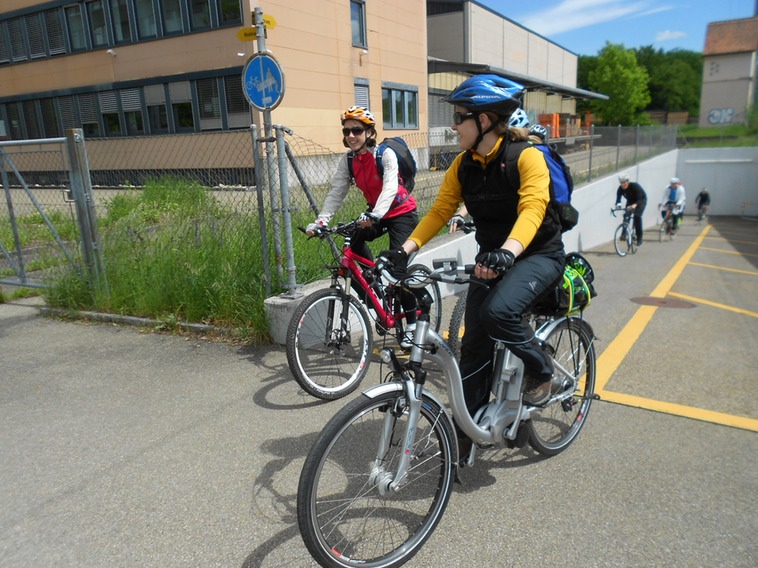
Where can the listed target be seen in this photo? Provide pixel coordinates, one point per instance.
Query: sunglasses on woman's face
(355, 131)
(459, 117)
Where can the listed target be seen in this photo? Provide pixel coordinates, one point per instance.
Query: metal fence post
(258, 172)
(81, 189)
(286, 212)
(618, 146)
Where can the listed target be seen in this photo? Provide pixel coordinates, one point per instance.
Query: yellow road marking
(750, 272)
(680, 410)
(733, 241)
(617, 350)
(715, 304)
(729, 251)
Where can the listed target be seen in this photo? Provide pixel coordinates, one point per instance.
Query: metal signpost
(263, 86)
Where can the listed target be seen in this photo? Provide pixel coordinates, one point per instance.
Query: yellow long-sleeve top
(534, 196)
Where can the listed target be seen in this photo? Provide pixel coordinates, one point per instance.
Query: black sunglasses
(355, 131)
(459, 117)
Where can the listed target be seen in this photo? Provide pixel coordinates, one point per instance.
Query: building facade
(729, 72)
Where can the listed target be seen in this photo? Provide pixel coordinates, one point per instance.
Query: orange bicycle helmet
(360, 114)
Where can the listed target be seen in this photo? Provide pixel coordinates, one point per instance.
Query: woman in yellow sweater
(504, 183)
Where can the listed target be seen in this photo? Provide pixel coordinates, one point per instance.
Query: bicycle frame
(354, 264)
(493, 425)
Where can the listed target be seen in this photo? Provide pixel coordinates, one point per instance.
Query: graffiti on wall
(721, 116)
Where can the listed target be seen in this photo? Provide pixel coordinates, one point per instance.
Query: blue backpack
(561, 187)
(406, 165)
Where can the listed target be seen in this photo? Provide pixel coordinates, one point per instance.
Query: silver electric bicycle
(378, 478)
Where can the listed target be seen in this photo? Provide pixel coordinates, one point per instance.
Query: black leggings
(399, 229)
(497, 312)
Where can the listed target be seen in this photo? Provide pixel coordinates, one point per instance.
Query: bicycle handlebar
(343, 229)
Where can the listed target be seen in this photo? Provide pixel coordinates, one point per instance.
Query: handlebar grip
(469, 268)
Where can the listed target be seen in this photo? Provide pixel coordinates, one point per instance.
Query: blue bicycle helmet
(539, 131)
(519, 119)
(488, 93)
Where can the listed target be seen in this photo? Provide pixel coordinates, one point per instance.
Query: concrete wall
(730, 174)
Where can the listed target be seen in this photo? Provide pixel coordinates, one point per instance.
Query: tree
(675, 78)
(624, 81)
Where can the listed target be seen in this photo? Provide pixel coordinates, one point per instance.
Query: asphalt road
(127, 448)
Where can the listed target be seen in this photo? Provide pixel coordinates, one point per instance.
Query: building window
(181, 106)
(120, 17)
(131, 104)
(98, 28)
(5, 56)
(145, 18)
(35, 35)
(209, 104)
(399, 108)
(229, 11)
(32, 120)
(76, 28)
(172, 17)
(56, 40)
(201, 14)
(14, 121)
(50, 118)
(88, 112)
(17, 32)
(157, 117)
(358, 22)
(361, 95)
(237, 107)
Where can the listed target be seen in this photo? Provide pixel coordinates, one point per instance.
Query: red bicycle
(330, 337)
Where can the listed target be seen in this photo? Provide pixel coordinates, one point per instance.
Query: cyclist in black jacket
(636, 199)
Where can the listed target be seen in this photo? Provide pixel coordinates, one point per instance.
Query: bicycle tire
(435, 312)
(554, 428)
(631, 240)
(620, 245)
(329, 363)
(664, 230)
(343, 518)
(457, 325)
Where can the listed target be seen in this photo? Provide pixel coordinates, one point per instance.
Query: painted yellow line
(733, 241)
(750, 272)
(729, 251)
(681, 410)
(617, 350)
(715, 305)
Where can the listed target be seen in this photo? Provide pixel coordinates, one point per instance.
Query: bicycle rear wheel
(552, 429)
(435, 313)
(346, 513)
(329, 344)
(619, 243)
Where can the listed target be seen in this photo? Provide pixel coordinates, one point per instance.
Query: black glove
(498, 260)
(396, 261)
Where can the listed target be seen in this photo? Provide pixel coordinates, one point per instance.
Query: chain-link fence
(204, 226)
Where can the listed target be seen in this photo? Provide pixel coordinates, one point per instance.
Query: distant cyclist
(703, 201)
(636, 199)
(674, 195)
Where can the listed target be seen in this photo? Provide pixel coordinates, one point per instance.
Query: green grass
(172, 253)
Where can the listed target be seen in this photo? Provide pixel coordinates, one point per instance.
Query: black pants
(497, 313)
(399, 229)
(638, 211)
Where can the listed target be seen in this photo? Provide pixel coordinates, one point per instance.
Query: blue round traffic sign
(263, 82)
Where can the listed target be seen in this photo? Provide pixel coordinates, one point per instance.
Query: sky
(584, 26)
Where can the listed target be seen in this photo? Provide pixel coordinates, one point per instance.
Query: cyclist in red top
(391, 208)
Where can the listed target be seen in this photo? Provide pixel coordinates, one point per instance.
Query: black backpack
(561, 183)
(406, 165)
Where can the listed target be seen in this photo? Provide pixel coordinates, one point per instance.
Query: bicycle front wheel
(435, 312)
(621, 243)
(346, 513)
(329, 344)
(552, 429)
(663, 231)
